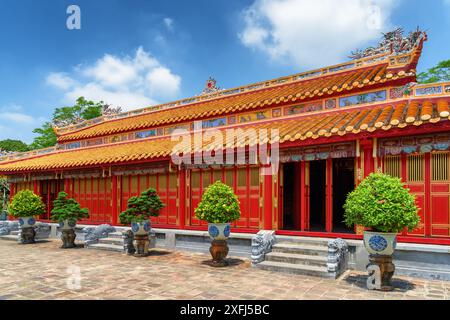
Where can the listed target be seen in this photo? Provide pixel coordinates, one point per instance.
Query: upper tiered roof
(421, 105)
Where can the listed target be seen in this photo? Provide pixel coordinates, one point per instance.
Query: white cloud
(16, 117)
(168, 22)
(15, 124)
(310, 33)
(60, 80)
(129, 82)
(161, 81)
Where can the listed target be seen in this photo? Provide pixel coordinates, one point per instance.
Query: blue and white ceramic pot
(27, 222)
(68, 224)
(141, 228)
(219, 231)
(380, 243)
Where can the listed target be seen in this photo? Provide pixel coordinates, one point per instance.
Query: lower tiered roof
(384, 117)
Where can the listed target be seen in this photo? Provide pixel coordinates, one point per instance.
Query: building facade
(333, 127)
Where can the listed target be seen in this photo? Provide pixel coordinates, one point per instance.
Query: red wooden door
(415, 181)
(440, 195)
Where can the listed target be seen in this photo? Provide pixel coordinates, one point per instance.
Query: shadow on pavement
(360, 281)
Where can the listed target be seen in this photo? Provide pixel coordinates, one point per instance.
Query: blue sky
(138, 53)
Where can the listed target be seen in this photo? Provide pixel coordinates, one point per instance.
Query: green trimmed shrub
(219, 204)
(382, 203)
(65, 208)
(26, 204)
(141, 208)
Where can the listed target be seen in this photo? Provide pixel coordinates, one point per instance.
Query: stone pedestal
(27, 235)
(219, 251)
(141, 244)
(381, 270)
(68, 238)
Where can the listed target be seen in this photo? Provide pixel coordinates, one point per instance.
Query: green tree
(141, 208)
(13, 145)
(64, 116)
(46, 137)
(65, 208)
(4, 193)
(439, 73)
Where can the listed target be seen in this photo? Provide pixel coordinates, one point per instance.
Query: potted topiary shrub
(219, 207)
(26, 205)
(67, 211)
(138, 213)
(385, 207)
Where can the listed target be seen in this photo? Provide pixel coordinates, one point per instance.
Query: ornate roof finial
(210, 86)
(394, 42)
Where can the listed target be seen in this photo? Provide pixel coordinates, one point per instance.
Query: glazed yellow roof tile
(341, 122)
(297, 91)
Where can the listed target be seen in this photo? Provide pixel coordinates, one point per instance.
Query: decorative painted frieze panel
(321, 152)
(411, 145)
(370, 97)
(303, 108)
(428, 91)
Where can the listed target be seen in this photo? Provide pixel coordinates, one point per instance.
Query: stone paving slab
(44, 271)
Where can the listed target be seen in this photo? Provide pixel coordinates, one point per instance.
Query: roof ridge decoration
(397, 57)
(393, 43)
(211, 86)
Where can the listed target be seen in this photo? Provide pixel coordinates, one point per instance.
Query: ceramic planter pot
(380, 243)
(219, 231)
(141, 228)
(27, 222)
(67, 224)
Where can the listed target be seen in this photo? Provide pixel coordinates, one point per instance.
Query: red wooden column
(268, 201)
(182, 198)
(427, 204)
(329, 196)
(114, 196)
(35, 187)
(67, 188)
(304, 225)
(369, 164)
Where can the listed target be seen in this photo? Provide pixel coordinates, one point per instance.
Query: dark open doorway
(291, 196)
(343, 183)
(317, 183)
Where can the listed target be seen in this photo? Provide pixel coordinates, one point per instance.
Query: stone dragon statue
(337, 259)
(262, 243)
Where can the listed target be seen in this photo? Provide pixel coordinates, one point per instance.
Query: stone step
(115, 241)
(14, 233)
(10, 237)
(304, 240)
(306, 270)
(303, 249)
(116, 235)
(294, 258)
(106, 247)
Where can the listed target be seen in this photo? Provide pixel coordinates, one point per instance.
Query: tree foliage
(382, 203)
(439, 73)
(219, 204)
(65, 208)
(13, 145)
(141, 208)
(64, 116)
(26, 204)
(4, 193)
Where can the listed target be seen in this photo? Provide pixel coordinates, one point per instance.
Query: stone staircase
(305, 257)
(13, 236)
(114, 242)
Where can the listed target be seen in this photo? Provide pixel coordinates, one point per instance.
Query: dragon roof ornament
(107, 110)
(210, 86)
(394, 43)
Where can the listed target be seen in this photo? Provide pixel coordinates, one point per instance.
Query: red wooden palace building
(336, 125)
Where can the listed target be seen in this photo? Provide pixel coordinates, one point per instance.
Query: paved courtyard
(44, 271)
